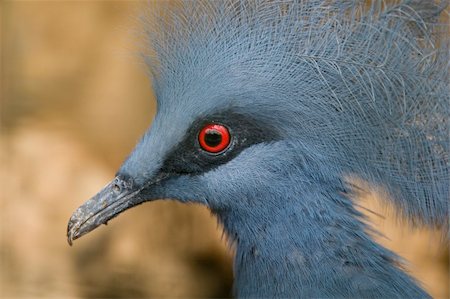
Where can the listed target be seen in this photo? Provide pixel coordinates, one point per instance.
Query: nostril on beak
(116, 188)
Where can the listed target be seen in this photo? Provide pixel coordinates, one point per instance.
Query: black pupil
(213, 138)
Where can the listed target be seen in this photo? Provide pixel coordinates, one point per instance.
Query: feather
(365, 83)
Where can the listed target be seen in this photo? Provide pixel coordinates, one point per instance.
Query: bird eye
(214, 138)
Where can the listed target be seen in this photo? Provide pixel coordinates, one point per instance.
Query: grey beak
(114, 198)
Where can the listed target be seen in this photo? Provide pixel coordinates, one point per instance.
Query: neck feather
(315, 246)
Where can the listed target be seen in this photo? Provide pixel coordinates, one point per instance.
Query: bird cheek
(183, 188)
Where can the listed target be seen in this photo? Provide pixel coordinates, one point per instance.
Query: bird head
(214, 135)
(225, 120)
(221, 152)
(255, 99)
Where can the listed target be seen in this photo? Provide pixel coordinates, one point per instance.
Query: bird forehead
(167, 128)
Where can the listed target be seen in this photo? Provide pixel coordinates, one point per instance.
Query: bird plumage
(312, 92)
(369, 86)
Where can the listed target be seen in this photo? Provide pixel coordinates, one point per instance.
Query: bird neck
(314, 246)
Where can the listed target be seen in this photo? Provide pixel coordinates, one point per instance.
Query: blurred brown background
(74, 100)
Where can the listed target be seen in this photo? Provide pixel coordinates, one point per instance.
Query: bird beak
(117, 196)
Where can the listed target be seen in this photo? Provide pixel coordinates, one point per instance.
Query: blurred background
(74, 100)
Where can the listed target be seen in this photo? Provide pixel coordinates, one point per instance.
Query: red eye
(214, 138)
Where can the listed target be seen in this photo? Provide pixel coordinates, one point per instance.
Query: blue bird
(265, 109)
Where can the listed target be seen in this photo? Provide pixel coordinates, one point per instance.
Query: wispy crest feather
(366, 84)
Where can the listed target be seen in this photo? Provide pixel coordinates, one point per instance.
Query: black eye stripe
(190, 158)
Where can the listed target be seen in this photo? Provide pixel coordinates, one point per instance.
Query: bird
(267, 109)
